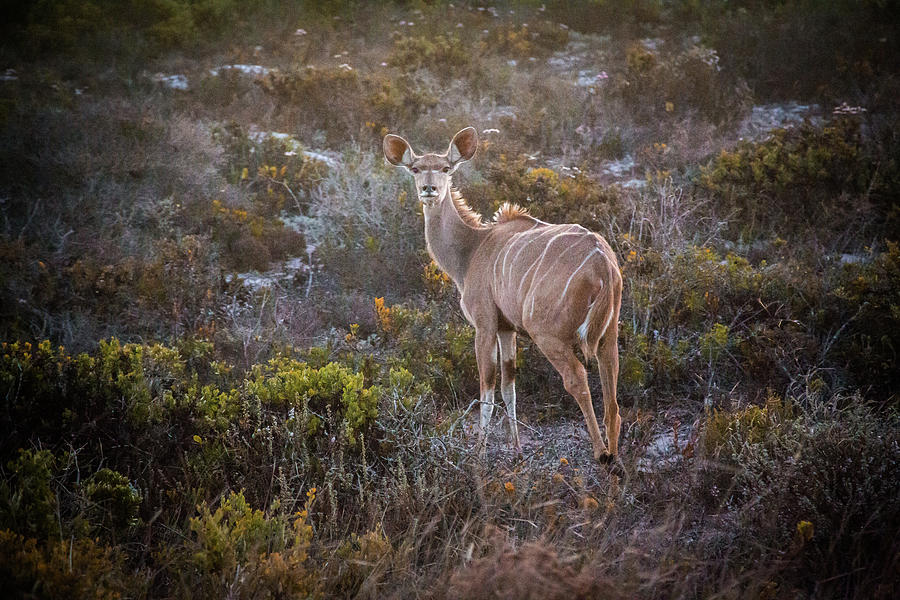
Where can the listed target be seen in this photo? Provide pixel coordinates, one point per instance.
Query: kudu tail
(599, 317)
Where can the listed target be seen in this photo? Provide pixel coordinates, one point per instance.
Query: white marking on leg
(582, 329)
(508, 392)
(487, 409)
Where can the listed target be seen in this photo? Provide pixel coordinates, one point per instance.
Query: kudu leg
(563, 359)
(486, 357)
(507, 342)
(608, 361)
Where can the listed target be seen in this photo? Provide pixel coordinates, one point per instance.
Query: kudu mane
(507, 212)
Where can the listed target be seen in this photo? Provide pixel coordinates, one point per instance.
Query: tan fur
(560, 284)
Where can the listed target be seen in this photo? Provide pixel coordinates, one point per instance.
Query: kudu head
(431, 171)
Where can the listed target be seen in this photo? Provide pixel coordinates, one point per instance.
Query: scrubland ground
(231, 370)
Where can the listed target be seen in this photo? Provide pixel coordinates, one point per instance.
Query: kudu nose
(429, 190)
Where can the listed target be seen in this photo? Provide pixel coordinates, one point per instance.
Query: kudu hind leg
(608, 363)
(563, 359)
(507, 342)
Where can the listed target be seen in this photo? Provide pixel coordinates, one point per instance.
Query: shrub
(331, 390)
(79, 568)
(863, 311)
(434, 347)
(264, 555)
(795, 178)
(537, 38)
(27, 501)
(823, 491)
(659, 84)
(348, 104)
(545, 193)
(445, 56)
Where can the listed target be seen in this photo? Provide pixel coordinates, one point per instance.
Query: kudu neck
(451, 240)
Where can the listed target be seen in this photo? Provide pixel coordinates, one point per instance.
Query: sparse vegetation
(229, 367)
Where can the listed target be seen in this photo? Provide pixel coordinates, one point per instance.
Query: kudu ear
(463, 146)
(397, 151)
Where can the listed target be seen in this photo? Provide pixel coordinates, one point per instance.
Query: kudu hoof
(606, 458)
(612, 463)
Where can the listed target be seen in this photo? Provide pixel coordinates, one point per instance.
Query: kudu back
(560, 284)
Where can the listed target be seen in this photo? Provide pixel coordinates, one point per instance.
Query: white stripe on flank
(566, 289)
(547, 271)
(540, 259)
(526, 244)
(606, 325)
(519, 237)
(508, 245)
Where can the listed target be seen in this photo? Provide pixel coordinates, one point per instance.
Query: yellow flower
(805, 530)
(509, 487)
(563, 461)
(670, 106)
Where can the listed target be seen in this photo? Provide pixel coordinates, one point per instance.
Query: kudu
(560, 284)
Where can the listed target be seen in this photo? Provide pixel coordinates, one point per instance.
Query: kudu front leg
(507, 342)
(486, 357)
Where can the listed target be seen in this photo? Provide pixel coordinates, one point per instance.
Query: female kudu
(560, 284)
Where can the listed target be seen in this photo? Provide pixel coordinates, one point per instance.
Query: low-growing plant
(80, 568)
(260, 554)
(445, 56)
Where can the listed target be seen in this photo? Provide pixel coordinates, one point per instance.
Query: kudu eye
(415, 169)
(446, 169)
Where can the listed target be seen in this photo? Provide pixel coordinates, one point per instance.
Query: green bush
(346, 103)
(264, 555)
(798, 178)
(445, 56)
(661, 84)
(436, 349)
(28, 503)
(80, 568)
(545, 193)
(823, 492)
(113, 499)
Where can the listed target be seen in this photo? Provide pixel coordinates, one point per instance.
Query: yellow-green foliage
(656, 363)
(348, 103)
(726, 434)
(167, 23)
(662, 83)
(545, 193)
(79, 568)
(113, 498)
(791, 164)
(27, 502)
(443, 55)
(867, 301)
(287, 383)
(360, 555)
(433, 348)
(264, 553)
(533, 39)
